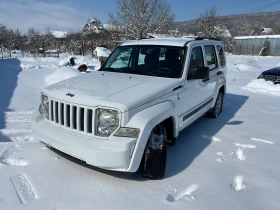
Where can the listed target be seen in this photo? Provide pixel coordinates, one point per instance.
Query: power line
(237, 5)
(262, 7)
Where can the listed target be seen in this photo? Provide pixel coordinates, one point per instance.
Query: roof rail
(210, 38)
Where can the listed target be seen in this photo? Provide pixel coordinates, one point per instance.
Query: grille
(272, 78)
(70, 116)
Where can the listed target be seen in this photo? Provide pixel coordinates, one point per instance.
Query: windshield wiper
(112, 69)
(143, 72)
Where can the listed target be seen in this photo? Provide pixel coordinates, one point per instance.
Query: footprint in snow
(5, 157)
(176, 194)
(263, 141)
(212, 138)
(237, 183)
(245, 146)
(221, 158)
(239, 154)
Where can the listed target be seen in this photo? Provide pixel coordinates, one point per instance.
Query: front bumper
(112, 154)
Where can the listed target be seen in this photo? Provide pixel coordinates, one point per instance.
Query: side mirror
(199, 73)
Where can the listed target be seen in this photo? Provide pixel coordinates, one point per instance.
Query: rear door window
(211, 57)
(222, 56)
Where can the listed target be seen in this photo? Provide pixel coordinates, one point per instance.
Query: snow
(102, 52)
(258, 37)
(262, 86)
(59, 34)
(226, 163)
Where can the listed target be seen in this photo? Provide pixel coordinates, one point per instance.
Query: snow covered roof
(102, 52)
(265, 31)
(224, 32)
(258, 37)
(59, 34)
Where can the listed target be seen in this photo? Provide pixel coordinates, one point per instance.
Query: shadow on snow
(9, 71)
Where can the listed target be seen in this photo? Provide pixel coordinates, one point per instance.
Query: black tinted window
(196, 59)
(221, 55)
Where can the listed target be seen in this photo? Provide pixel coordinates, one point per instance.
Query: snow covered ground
(226, 163)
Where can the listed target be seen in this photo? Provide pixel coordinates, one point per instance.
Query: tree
(209, 23)
(138, 17)
(34, 40)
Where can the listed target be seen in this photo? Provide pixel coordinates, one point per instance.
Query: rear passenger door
(212, 63)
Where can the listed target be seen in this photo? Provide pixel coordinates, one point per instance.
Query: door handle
(219, 72)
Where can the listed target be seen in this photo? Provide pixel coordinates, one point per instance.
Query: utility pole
(44, 48)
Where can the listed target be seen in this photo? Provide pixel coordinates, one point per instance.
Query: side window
(211, 56)
(196, 59)
(221, 55)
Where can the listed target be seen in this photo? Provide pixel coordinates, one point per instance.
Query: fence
(254, 45)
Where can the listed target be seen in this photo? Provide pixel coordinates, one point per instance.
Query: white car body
(142, 101)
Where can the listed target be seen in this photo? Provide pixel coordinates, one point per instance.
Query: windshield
(151, 60)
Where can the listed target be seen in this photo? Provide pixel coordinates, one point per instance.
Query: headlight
(128, 132)
(45, 104)
(106, 122)
(261, 76)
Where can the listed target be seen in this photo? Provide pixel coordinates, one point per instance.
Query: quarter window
(221, 55)
(211, 57)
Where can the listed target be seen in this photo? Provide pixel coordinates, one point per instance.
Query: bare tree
(139, 17)
(209, 23)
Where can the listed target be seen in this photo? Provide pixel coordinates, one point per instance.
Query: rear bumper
(112, 154)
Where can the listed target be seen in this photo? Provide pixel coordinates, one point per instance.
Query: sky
(71, 15)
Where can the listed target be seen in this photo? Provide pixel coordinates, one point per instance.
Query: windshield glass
(151, 60)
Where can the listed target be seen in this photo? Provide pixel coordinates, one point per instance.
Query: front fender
(146, 120)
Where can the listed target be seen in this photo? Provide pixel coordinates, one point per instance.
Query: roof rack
(209, 38)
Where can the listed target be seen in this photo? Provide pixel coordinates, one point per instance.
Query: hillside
(239, 25)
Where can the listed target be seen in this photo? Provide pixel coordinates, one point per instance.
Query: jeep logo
(70, 94)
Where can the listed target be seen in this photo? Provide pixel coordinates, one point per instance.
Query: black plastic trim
(197, 109)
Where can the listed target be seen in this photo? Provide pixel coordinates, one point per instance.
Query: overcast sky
(70, 15)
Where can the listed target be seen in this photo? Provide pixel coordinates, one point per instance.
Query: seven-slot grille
(272, 78)
(76, 118)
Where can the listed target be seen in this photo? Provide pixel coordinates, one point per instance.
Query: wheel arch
(146, 120)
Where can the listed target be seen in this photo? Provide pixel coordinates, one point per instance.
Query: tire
(155, 154)
(83, 69)
(217, 109)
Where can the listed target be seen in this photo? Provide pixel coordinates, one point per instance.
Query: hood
(109, 89)
(274, 71)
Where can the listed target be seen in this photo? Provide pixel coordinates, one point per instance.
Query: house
(266, 31)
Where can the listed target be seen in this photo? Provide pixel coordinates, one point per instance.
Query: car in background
(272, 75)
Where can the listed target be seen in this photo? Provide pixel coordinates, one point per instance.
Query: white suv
(126, 113)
